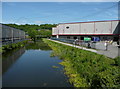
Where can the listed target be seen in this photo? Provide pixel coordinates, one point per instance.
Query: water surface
(32, 66)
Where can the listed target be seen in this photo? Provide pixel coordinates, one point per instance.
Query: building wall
(103, 28)
(116, 27)
(54, 31)
(9, 33)
(85, 28)
(6, 32)
(60, 29)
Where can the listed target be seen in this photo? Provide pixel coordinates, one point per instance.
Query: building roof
(90, 21)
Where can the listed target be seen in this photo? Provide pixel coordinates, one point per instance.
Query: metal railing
(89, 44)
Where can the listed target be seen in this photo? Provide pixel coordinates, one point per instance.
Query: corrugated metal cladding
(88, 28)
(11, 33)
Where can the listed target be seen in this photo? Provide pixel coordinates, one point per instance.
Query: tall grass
(86, 69)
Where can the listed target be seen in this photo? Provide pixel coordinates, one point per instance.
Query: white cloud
(60, 0)
(38, 22)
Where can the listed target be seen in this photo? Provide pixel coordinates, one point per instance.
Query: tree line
(35, 31)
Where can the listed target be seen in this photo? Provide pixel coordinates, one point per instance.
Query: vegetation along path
(85, 68)
(109, 53)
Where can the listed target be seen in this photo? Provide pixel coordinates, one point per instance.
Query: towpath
(112, 51)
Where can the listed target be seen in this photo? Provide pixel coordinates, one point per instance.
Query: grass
(78, 45)
(85, 68)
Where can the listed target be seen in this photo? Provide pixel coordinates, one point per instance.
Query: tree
(32, 29)
(33, 34)
(44, 33)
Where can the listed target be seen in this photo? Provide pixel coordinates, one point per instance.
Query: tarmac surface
(112, 51)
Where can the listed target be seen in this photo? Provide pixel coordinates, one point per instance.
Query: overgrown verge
(87, 69)
(5, 48)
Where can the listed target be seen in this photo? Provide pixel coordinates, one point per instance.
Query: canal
(32, 66)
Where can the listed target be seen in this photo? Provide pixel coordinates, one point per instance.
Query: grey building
(10, 34)
(105, 30)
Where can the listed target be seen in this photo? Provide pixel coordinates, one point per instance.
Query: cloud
(60, 0)
(38, 22)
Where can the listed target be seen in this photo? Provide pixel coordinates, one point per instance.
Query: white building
(105, 30)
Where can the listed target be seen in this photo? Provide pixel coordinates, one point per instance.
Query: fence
(88, 44)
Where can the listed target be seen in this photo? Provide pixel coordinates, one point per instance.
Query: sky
(58, 12)
(60, 0)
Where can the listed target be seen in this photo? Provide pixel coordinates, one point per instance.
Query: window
(68, 37)
(67, 27)
(75, 37)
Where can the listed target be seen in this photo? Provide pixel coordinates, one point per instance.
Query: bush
(12, 46)
(117, 61)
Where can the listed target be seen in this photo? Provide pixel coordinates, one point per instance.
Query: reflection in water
(10, 57)
(38, 45)
(34, 68)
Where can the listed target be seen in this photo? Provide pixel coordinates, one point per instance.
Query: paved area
(119, 52)
(112, 51)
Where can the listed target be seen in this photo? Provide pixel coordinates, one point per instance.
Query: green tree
(33, 34)
(34, 31)
(45, 33)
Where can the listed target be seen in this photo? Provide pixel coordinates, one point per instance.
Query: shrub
(117, 61)
(13, 45)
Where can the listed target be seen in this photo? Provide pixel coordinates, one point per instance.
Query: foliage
(44, 33)
(39, 44)
(117, 61)
(13, 46)
(35, 31)
(27, 27)
(0, 50)
(55, 67)
(33, 34)
(86, 69)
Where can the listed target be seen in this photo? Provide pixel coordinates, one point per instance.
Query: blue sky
(57, 12)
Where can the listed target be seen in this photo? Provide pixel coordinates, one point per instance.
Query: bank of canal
(32, 66)
(87, 69)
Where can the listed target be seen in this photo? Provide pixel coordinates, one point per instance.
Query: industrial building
(10, 34)
(105, 30)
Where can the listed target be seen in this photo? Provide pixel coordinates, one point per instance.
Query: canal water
(32, 66)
